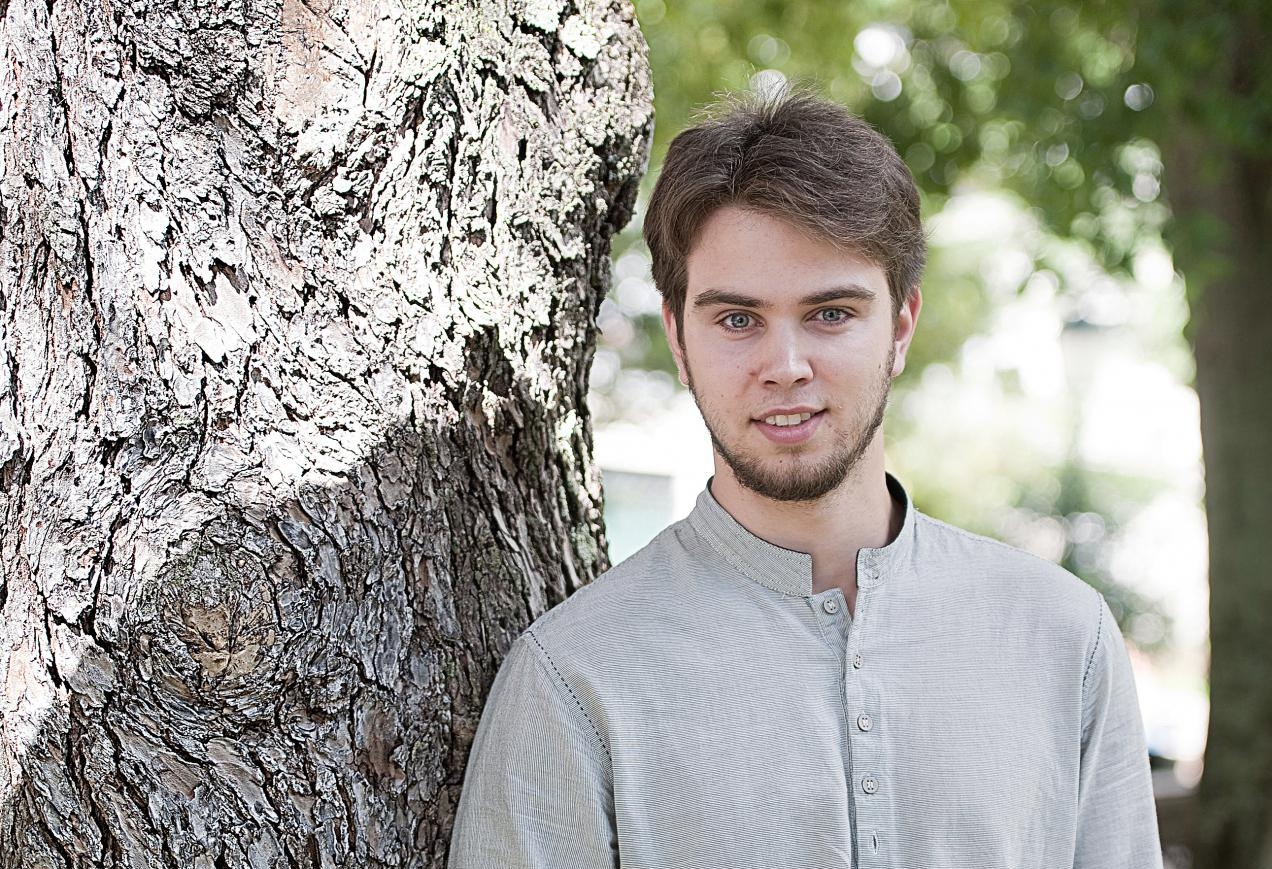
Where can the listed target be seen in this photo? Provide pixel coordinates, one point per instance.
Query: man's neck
(859, 514)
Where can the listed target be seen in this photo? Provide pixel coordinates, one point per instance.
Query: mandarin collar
(788, 571)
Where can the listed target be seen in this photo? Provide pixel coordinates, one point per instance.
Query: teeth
(788, 419)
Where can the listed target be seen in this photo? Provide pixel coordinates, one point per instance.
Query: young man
(806, 672)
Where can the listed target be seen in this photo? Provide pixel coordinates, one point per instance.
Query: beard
(797, 479)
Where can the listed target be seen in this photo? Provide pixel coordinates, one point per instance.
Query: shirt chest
(796, 746)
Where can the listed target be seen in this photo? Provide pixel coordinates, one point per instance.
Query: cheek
(718, 368)
(729, 377)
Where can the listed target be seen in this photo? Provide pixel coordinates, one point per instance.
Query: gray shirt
(699, 707)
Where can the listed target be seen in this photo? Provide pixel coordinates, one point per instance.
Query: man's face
(789, 346)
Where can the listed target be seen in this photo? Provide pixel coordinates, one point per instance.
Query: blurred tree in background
(1116, 130)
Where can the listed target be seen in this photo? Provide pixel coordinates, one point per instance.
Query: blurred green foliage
(1059, 101)
(1044, 99)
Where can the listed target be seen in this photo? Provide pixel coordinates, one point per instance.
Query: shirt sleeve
(1117, 818)
(538, 790)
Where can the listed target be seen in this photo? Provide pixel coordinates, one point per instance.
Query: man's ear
(673, 341)
(903, 328)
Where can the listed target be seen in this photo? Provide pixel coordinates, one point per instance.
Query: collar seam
(732, 558)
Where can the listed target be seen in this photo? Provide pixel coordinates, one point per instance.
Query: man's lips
(790, 434)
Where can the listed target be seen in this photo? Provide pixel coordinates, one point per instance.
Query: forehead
(739, 249)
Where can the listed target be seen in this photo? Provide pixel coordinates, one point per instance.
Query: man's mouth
(794, 426)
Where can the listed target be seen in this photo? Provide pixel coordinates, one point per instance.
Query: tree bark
(297, 308)
(1219, 196)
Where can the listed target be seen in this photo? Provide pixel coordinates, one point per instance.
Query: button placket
(871, 803)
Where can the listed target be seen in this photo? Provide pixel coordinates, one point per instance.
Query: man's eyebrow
(854, 292)
(709, 298)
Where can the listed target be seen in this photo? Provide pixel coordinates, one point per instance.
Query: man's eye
(737, 321)
(832, 315)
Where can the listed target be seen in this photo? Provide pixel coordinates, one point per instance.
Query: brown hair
(795, 156)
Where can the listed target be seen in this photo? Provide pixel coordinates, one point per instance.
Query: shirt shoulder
(982, 571)
(652, 591)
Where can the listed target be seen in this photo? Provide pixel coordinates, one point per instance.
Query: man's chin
(791, 484)
(799, 492)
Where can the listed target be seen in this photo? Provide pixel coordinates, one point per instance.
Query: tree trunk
(297, 309)
(1220, 199)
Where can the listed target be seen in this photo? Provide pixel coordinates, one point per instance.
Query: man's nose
(785, 359)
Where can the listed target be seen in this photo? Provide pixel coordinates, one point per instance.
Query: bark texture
(297, 304)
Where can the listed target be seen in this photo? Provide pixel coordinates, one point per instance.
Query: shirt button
(870, 784)
(865, 722)
(831, 606)
(856, 662)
